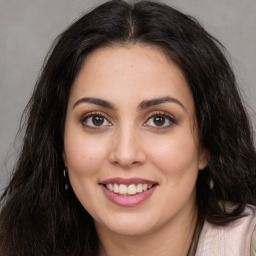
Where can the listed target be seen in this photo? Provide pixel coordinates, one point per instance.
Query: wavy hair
(38, 216)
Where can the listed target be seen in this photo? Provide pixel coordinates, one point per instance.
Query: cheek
(84, 154)
(176, 156)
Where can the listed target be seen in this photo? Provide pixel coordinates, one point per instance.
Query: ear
(203, 159)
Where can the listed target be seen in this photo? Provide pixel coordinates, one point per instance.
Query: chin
(126, 225)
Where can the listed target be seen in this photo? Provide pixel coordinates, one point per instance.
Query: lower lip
(130, 200)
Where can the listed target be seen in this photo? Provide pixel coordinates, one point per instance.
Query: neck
(173, 239)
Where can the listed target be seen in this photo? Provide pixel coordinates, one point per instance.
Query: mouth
(128, 190)
(128, 187)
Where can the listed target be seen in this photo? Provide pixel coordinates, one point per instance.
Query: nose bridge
(126, 148)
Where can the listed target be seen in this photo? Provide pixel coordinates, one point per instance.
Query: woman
(137, 143)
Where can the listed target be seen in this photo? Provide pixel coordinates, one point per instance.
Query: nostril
(126, 151)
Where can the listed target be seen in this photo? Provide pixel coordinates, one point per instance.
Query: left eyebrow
(157, 101)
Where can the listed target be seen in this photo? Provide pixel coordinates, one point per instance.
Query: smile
(127, 190)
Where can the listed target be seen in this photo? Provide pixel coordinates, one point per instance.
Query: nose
(127, 148)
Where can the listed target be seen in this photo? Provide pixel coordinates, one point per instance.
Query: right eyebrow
(95, 101)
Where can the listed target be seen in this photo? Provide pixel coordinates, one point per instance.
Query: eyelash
(165, 115)
(155, 114)
(94, 114)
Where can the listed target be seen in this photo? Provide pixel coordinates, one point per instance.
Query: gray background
(28, 27)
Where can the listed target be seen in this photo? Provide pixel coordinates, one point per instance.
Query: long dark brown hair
(38, 216)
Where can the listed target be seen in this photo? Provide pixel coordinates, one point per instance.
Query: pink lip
(118, 180)
(127, 200)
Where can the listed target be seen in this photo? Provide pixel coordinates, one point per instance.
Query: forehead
(136, 72)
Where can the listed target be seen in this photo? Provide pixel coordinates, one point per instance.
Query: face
(130, 142)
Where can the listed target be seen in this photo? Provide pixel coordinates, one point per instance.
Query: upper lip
(127, 181)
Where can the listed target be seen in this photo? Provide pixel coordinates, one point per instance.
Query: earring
(65, 174)
(211, 184)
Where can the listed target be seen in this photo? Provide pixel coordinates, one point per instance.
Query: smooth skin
(122, 131)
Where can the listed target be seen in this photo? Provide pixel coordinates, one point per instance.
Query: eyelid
(95, 113)
(171, 118)
(160, 112)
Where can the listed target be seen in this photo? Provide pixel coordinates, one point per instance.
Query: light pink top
(237, 239)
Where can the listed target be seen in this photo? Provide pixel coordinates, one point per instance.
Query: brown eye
(98, 120)
(159, 120)
(95, 120)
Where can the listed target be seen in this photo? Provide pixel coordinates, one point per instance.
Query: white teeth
(144, 187)
(139, 188)
(110, 187)
(132, 189)
(116, 189)
(122, 189)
